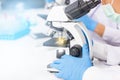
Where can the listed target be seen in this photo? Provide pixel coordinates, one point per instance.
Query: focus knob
(76, 51)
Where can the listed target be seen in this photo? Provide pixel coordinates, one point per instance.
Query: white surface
(101, 71)
(26, 58)
(57, 14)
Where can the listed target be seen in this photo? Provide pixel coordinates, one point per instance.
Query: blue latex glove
(89, 23)
(72, 68)
(49, 1)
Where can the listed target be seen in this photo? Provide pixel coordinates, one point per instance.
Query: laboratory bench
(26, 58)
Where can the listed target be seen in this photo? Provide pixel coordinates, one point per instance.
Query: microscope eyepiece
(80, 8)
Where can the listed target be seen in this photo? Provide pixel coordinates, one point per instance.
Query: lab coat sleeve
(99, 50)
(113, 56)
(112, 36)
(102, 73)
(106, 52)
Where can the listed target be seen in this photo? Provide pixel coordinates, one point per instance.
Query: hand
(89, 23)
(72, 68)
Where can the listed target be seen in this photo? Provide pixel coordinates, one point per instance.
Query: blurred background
(28, 4)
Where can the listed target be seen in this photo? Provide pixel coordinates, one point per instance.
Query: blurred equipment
(13, 26)
(52, 3)
(28, 4)
(62, 2)
(15, 18)
(0, 5)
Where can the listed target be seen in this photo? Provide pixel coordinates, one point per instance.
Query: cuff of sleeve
(113, 57)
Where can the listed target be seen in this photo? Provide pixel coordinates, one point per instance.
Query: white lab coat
(106, 50)
(111, 36)
(102, 73)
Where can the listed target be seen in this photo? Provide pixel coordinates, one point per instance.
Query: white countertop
(26, 58)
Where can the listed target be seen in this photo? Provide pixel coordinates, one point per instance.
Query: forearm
(100, 29)
(102, 73)
(109, 34)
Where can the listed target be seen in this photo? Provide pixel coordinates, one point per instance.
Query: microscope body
(62, 17)
(77, 34)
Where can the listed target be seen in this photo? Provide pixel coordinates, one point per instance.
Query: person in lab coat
(104, 23)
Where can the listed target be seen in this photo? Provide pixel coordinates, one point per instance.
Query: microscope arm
(62, 16)
(80, 34)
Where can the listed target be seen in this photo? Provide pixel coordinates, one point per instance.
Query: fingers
(56, 64)
(59, 75)
(57, 61)
(65, 56)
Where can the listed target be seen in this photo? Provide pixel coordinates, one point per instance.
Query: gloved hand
(89, 23)
(72, 68)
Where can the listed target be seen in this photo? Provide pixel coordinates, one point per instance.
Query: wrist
(99, 29)
(90, 23)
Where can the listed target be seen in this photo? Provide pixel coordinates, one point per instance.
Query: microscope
(71, 34)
